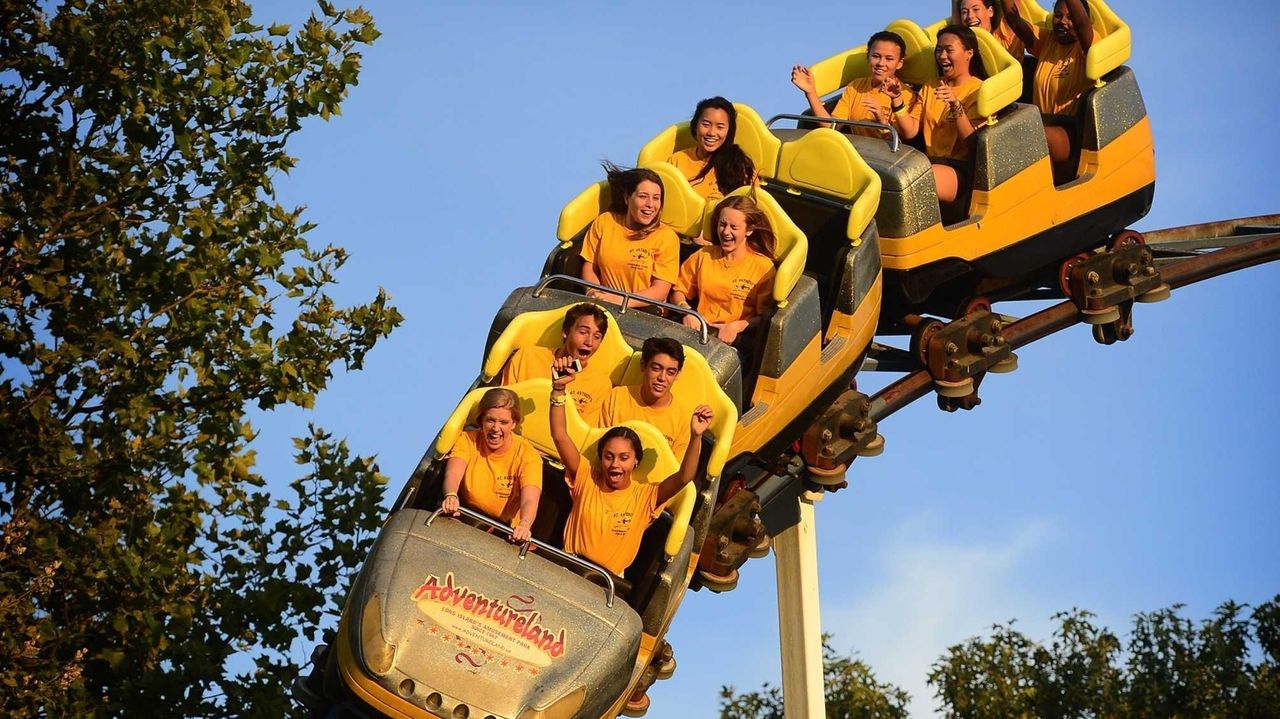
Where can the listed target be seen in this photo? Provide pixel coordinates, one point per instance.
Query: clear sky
(1118, 479)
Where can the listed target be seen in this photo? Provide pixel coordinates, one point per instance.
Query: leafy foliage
(1226, 667)
(851, 688)
(1170, 667)
(152, 293)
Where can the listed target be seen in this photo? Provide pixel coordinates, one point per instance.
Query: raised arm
(568, 451)
(1018, 25)
(1081, 23)
(908, 125)
(698, 424)
(802, 78)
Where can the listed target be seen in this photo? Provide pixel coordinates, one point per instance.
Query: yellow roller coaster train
(447, 618)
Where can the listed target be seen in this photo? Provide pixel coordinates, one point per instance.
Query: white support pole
(795, 551)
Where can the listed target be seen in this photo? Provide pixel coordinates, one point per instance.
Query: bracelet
(450, 494)
(899, 109)
(557, 400)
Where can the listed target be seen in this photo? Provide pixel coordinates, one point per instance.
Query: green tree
(152, 294)
(1170, 667)
(1226, 667)
(852, 692)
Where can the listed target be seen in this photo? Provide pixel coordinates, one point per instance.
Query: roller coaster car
(448, 618)
(1014, 230)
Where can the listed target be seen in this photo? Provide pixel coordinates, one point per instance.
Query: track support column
(799, 623)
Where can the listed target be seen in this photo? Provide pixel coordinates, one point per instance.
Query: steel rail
(1259, 250)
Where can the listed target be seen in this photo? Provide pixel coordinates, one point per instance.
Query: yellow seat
(792, 248)
(542, 328)
(656, 464)
(750, 134)
(824, 161)
(1106, 53)
(1003, 85)
(697, 385)
(919, 68)
(682, 208)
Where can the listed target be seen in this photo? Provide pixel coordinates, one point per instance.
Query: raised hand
(562, 373)
(802, 78)
(893, 88)
(701, 420)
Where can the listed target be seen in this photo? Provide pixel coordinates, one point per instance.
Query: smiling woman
(495, 470)
(715, 165)
(627, 247)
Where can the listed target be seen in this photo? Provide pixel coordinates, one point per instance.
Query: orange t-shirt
(687, 162)
(850, 107)
(672, 421)
(491, 483)
(606, 526)
(589, 388)
(628, 264)
(727, 292)
(1060, 77)
(940, 133)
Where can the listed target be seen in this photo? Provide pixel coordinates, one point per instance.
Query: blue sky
(1118, 479)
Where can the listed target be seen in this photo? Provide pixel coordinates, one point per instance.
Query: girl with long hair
(732, 280)
(627, 247)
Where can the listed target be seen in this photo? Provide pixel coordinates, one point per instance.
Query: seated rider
(946, 113)
(715, 165)
(627, 247)
(611, 512)
(1060, 77)
(865, 98)
(988, 15)
(584, 327)
(661, 359)
(492, 469)
(731, 281)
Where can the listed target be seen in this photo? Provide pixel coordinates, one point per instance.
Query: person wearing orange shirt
(492, 469)
(865, 98)
(610, 511)
(946, 112)
(988, 15)
(583, 329)
(715, 165)
(627, 247)
(661, 359)
(731, 281)
(1060, 77)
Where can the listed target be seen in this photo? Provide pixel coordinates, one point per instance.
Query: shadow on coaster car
(1015, 230)
(448, 618)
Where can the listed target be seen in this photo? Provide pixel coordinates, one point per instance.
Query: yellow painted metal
(1028, 203)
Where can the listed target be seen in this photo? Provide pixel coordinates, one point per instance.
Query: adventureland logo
(508, 626)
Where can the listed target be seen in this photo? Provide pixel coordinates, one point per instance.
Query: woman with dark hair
(495, 471)
(864, 98)
(946, 112)
(732, 281)
(627, 247)
(714, 166)
(1060, 77)
(988, 15)
(611, 512)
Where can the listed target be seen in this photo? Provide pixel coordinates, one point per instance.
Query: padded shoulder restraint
(542, 328)
(824, 161)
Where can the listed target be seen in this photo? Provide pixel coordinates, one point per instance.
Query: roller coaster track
(1184, 255)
